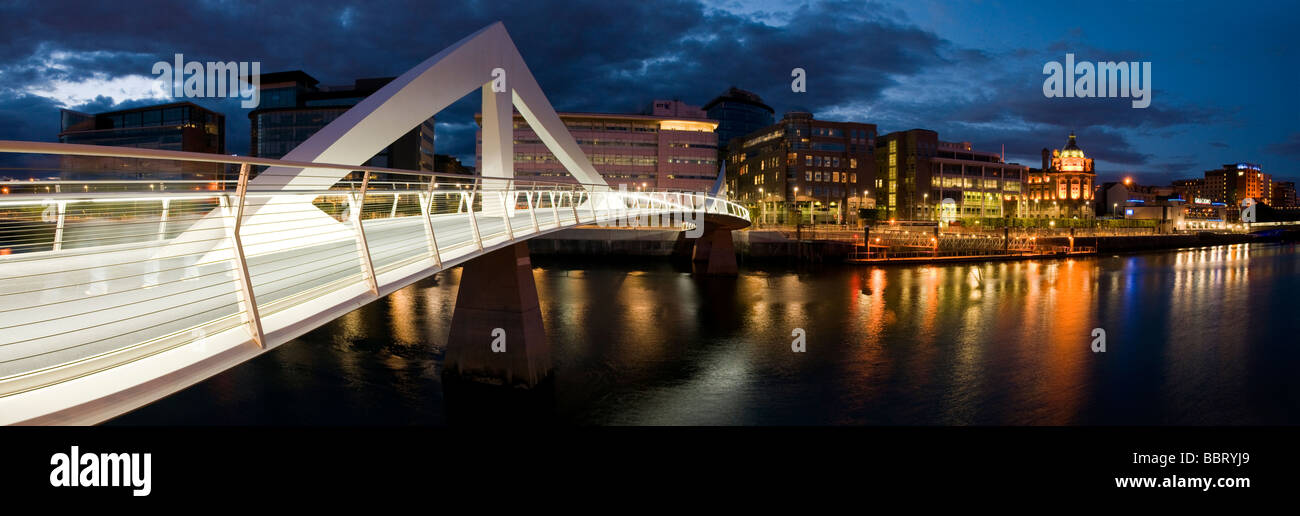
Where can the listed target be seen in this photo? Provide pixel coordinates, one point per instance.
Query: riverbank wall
(763, 245)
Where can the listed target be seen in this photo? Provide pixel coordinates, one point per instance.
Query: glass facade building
(181, 126)
(738, 113)
(294, 106)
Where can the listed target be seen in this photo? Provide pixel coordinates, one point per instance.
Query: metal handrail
(84, 279)
(76, 149)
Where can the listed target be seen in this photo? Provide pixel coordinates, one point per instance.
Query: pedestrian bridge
(140, 272)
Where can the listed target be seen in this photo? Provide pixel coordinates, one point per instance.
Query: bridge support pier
(497, 337)
(714, 253)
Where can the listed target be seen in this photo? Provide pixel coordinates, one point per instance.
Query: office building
(738, 113)
(1284, 194)
(294, 106)
(802, 170)
(980, 184)
(923, 178)
(1235, 182)
(178, 126)
(672, 147)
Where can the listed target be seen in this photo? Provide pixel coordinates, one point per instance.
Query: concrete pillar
(717, 251)
(703, 245)
(497, 303)
(684, 247)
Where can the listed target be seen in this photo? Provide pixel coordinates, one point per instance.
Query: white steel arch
(423, 91)
(479, 61)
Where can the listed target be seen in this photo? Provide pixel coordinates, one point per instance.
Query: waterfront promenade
(829, 243)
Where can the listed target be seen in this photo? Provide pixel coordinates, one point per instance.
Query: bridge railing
(109, 254)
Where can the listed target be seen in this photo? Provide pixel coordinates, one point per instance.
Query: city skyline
(979, 82)
(1030, 248)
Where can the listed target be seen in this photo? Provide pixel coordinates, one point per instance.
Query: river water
(1207, 336)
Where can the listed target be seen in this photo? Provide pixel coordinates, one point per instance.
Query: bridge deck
(60, 309)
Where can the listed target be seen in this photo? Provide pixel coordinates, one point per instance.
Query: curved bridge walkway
(115, 293)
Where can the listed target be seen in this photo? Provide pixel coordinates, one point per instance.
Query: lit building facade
(1172, 214)
(1231, 184)
(673, 147)
(902, 189)
(923, 178)
(803, 170)
(1063, 188)
(980, 184)
(1236, 182)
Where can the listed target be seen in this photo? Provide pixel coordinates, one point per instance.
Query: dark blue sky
(1225, 76)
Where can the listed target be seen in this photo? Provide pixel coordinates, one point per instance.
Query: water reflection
(1197, 336)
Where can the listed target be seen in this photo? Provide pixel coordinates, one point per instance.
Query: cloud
(1289, 147)
(126, 87)
(866, 61)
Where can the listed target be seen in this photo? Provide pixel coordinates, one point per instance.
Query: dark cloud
(16, 117)
(103, 103)
(864, 61)
(626, 53)
(1290, 147)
